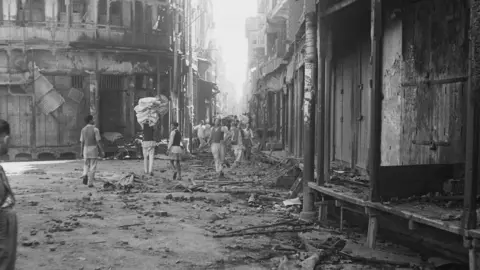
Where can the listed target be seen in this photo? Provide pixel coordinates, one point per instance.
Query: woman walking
(175, 150)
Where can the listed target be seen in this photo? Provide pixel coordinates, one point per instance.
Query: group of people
(220, 137)
(236, 136)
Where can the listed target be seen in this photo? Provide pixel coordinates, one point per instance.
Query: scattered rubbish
(290, 202)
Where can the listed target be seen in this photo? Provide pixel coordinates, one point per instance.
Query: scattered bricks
(275, 146)
(30, 243)
(32, 203)
(285, 182)
(161, 214)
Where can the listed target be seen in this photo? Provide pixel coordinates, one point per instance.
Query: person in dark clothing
(148, 149)
(176, 150)
(8, 217)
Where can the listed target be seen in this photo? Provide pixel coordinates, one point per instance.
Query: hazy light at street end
(229, 16)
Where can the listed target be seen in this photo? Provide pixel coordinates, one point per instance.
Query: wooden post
(328, 102)
(472, 129)
(376, 99)
(372, 231)
(322, 129)
(309, 115)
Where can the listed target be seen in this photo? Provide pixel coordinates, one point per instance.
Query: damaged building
(65, 59)
(395, 138)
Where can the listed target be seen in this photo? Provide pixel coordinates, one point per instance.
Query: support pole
(328, 103)
(472, 129)
(308, 212)
(376, 100)
(190, 74)
(322, 129)
(174, 90)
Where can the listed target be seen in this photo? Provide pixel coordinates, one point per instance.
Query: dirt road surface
(156, 225)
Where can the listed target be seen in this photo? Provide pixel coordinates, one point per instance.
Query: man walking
(148, 149)
(91, 150)
(201, 134)
(237, 143)
(8, 217)
(217, 142)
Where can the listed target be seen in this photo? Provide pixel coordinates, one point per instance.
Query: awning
(206, 88)
(272, 83)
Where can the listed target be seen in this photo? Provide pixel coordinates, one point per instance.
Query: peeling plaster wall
(392, 102)
(74, 62)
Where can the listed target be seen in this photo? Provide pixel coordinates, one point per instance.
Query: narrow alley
(251, 134)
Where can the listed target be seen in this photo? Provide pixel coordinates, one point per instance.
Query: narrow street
(158, 224)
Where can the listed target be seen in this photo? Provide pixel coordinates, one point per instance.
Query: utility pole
(190, 72)
(308, 213)
(174, 90)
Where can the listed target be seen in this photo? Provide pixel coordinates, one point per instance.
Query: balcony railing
(61, 34)
(280, 10)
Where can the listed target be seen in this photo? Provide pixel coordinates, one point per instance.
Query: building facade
(65, 59)
(393, 89)
(204, 54)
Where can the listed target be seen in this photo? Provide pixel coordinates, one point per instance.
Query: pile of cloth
(150, 109)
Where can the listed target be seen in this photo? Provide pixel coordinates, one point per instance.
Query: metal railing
(61, 33)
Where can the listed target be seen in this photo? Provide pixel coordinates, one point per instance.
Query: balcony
(95, 36)
(279, 12)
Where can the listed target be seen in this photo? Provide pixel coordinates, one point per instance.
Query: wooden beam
(472, 129)
(376, 100)
(337, 7)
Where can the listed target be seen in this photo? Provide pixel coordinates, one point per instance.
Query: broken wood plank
(264, 226)
(264, 232)
(373, 260)
(126, 226)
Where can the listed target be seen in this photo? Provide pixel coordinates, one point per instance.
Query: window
(148, 18)
(78, 8)
(102, 11)
(116, 13)
(77, 81)
(31, 10)
(62, 11)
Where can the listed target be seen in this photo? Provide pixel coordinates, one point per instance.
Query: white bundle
(150, 109)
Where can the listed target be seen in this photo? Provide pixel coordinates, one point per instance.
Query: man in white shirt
(201, 134)
(92, 149)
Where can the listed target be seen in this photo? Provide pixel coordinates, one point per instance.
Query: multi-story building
(65, 59)
(204, 60)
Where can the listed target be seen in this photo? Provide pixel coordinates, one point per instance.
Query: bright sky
(229, 16)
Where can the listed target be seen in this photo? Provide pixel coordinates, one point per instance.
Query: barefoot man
(91, 146)
(217, 137)
(148, 149)
(8, 218)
